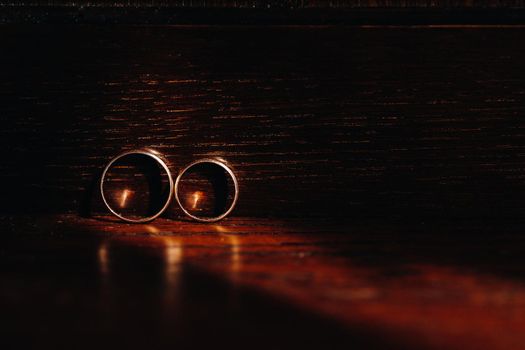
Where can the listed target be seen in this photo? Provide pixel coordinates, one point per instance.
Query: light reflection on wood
(467, 308)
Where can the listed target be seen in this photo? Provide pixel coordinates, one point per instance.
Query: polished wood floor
(67, 282)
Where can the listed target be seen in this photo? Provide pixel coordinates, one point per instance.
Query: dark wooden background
(279, 3)
(283, 12)
(394, 153)
(317, 121)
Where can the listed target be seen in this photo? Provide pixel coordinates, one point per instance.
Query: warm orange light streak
(124, 197)
(152, 229)
(196, 197)
(173, 253)
(103, 259)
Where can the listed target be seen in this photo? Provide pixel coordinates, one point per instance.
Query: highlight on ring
(137, 186)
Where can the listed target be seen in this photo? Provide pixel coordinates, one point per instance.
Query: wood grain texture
(317, 121)
(279, 284)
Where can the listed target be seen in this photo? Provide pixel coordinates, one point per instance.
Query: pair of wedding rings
(162, 183)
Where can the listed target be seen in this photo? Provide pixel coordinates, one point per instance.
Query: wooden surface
(389, 123)
(67, 282)
(381, 201)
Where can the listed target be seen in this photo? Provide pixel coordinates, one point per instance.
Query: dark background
(281, 3)
(391, 139)
(282, 12)
(318, 121)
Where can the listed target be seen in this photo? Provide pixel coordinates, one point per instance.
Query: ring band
(155, 156)
(230, 173)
